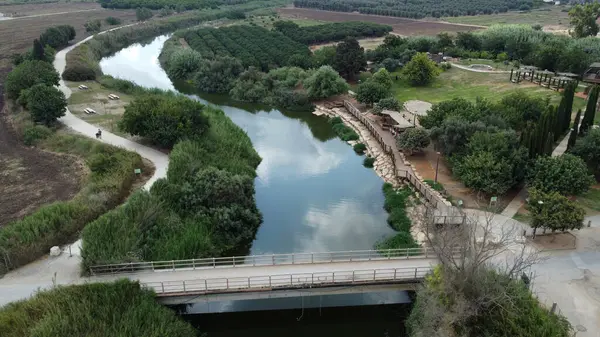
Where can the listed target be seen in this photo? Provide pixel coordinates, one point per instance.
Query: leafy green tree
(583, 19)
(566, 174)
(164, 119)
(301, 61)
(143, 14)
(485, 172)
(183, 63)
(287, 77)
(590, 110)
(454, 107)
(413, 140)
(325, 82)
(518, 108)
(112, 21)
(349, 58)
(45, 103)
(38, 51)
(388, 103)
(553, 211)
(574, 131)
(324, 56)
(93, 26)
(57, 36)
(250, 86)
(444, 41)
(468, 41)
(180, 8)
(165, 11)
(588, 149)
(370, 92)
(391, 64)
(420, 70)
(453, 135)
(217, 76)
(383, 77)
(28, 74)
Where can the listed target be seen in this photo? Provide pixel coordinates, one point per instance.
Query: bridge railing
(301, 280)
(264, 260)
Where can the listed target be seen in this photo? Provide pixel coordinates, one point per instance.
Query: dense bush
(330, 31)
(93, 26)
(553, 211)
(344, 132)
(253, 46)
(111, 20)
(413, 140)
(28, 74)
(389, 103)
(218, 76)
(250, 86)
(164, 119)
(420, 70)
(417, 10)
(566, 174)
(395, 204)
(360, 148)
(78, 72)
(325, 82)
(33, 134)
(58, 36)
(121, 308)
(45, 103)
(588, 149)
(368, 162)
(182, 63)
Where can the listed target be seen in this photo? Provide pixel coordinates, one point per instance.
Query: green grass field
(547, 15)
(470, 85)
(590, 199)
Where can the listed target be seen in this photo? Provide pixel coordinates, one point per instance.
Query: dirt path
(59, 13)
(460, 66)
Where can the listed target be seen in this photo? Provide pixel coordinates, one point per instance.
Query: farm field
(402, 26)
(21, 10)
(551, 17)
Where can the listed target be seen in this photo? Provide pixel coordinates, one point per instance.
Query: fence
(302, 280)
(426, 190)
(265, 260)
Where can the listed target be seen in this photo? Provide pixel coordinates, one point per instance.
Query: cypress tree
(576, 122)
(569, 96)
(590, 110)
(38, 50)
(549, 146)
(561, 112)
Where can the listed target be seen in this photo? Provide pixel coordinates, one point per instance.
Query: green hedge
(395, 204)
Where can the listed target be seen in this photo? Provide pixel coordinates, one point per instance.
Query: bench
(83, 87)
(89, 111)
(113, 96)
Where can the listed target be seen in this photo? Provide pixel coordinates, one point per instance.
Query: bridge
(245, 277)
(252, 276)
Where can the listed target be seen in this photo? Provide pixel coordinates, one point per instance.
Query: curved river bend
(311, 188)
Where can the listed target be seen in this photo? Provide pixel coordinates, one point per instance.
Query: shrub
(79, 73)
(420, 70)
(368, 162)
(345, 133)
(45, 103)
(566, 174)
(325, 82)
(111, 20)
(400, 240)
(360, 148)
(182, 63)
(390, 103)
(28, 74)
(35, 133)
(413, 140)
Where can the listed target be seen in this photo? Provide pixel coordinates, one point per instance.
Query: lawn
(590, 199)
(470, 85)
(547, 15)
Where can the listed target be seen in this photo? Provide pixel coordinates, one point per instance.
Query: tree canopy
(583, 19)
(588, 149)
(164, 119)
(553, 211)
(325, 82)
(413, 140)
(349, 58)
(371, 92)
(28, 74)
(420, 70)
(566, 174)
(217, 76)
(45, 103)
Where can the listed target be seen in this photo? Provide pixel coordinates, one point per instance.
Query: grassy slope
(92, 310)
(547, 15)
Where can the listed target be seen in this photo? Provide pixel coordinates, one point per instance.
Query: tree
(574, 131)
(183, 63)
(250, 86)
(413, 140)
(112, 21)
(165, 11)
(143, 14)
(588, 149)
(485, 172)
(553, 211)
(453, 135)
(518, 108)
(583, 19)
(391, 64)
(349, 58)
(164, 119)
(217, 76)
(38, 51)
(28, 74)
(444, 41)
(454, 107)
(58, 36)
(45, 103)
(93, 26)
(420, 70)
(590, 110)
(370, 92)
(382, 76)
(301, 61)
(325, 82)
(388, 103)
(566, 174)
(468, 41)
(324, 56)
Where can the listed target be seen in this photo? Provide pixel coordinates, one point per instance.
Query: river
(311, 188)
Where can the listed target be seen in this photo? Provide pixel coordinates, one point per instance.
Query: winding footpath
(65, 269)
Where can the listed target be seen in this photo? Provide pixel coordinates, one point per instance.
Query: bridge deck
(12, 289)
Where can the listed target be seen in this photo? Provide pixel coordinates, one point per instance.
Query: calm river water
(311, 188)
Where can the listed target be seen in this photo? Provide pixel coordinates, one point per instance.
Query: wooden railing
(287, 281)
(427, 191)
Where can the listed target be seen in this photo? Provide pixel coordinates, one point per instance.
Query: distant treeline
(330, 32)
(418, 9)
(158, 4)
